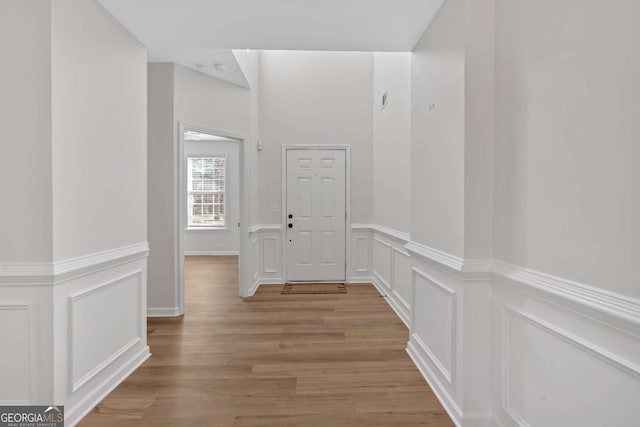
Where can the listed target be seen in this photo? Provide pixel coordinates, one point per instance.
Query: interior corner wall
(249, 61)
(479, 128)
(437, 132)
(392, 140)
(162, 190)
(315, 98)
(567, 140)
(25, 118)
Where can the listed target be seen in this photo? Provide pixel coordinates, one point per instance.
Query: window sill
(206, 229)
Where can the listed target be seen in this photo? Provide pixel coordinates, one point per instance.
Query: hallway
(272, 359)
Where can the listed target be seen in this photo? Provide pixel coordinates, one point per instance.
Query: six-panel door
(316, 220)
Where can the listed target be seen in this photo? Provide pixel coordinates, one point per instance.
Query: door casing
(283, 210)
(179, 182)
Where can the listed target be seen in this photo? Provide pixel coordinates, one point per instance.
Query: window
(206, 191)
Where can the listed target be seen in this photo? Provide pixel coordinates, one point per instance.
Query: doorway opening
(211, 202)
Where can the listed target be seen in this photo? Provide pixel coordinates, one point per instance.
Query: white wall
(25, 117)
(224, 241)
(99, 115)
(565, 213)
(438, 131)
(315, 98)
(479, 127)
(211, 103)
(567, 137)
(249, 61)
(193, 98)
(392, 141)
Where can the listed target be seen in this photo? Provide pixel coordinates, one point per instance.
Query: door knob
(290, 225)
(290, 216)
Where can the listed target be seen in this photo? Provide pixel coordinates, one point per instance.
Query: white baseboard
(449, 404)
(360, 281)
(392, 301)
(254, 288)
(82, 408)
(259, 282)
(163, 311)
(211, 253)
(276, 281)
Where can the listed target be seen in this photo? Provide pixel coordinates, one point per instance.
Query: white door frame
(347, 231)
(180, 210)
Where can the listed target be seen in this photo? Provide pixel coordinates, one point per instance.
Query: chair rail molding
(603, 301)
(58, 272)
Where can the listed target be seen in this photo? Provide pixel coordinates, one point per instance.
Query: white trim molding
(389, 296)
(180, 187)
(34, 273)
(610, 303)
(451, 261)
(76, 413)
(55, 273)
(264, 227)
(73, 268)
(163, 312)
(389, 232)
(211, 253)
(447, 401)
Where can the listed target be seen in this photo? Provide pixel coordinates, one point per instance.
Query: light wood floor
(272, 360)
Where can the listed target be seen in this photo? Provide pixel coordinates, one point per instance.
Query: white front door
(316, 220)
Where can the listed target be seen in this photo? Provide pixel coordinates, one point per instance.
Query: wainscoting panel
(551, 377)
(434, 322)
(104, 323)
(100, 333)
(390, 266)
(270, 254)
(361, 255)
(265, 253)
(18, 357)
(382, 262)
(402, 271)
(558, 364)
(255, 257)
(71, 335)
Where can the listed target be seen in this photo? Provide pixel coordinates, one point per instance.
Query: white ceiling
(203, 60)
(168, 26)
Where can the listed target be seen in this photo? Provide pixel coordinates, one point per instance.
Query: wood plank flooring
(272, 360)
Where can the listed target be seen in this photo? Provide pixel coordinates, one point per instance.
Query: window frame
(189, 227)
